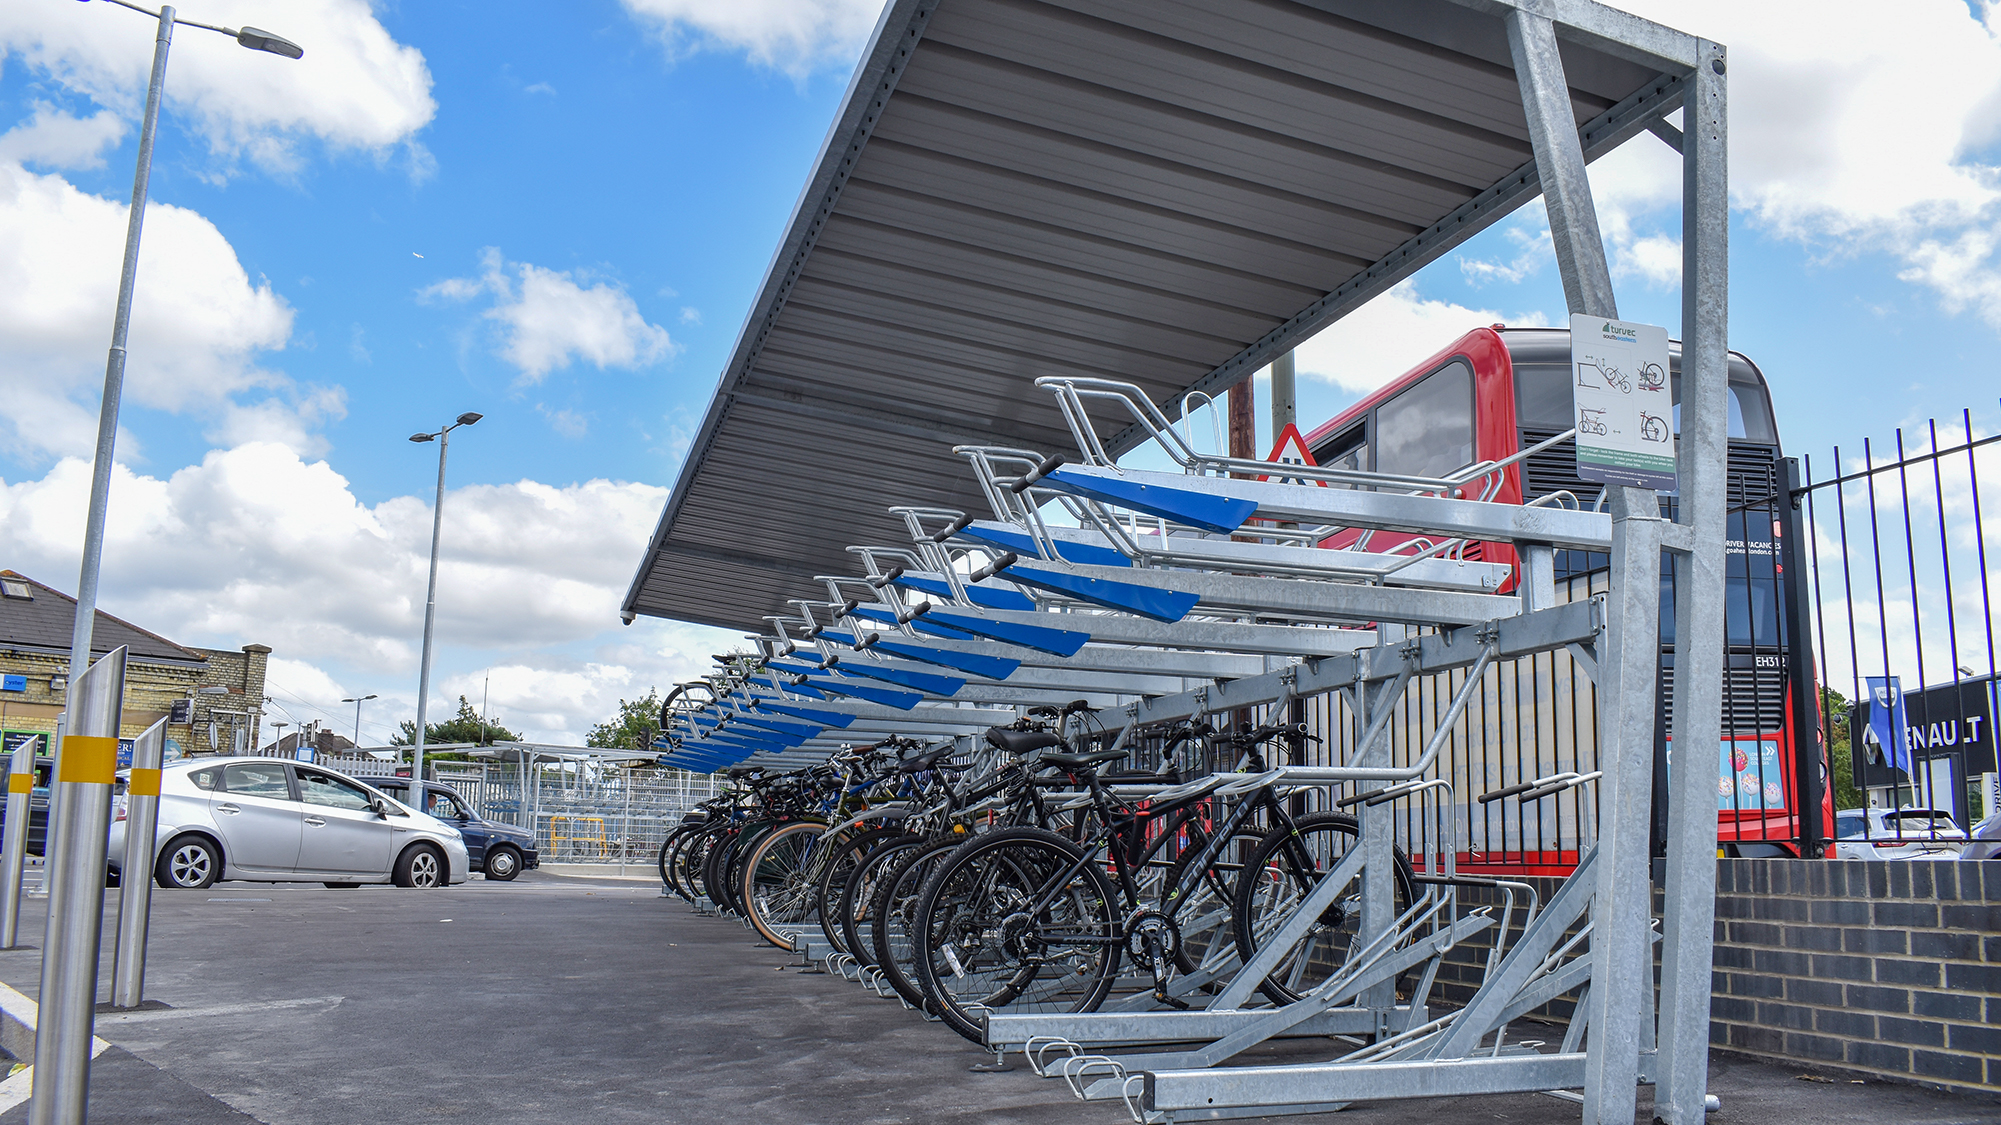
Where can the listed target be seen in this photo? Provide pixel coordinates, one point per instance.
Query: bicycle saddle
(1081, 761)
(921, 762)
(1023, 741)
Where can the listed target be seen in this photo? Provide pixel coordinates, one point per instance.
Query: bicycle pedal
(1175, 1002)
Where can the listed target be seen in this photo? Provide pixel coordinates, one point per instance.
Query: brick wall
(1889, 967)
(236, 699)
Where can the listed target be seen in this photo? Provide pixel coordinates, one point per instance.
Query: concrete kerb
(625, 872)
(17, 1037)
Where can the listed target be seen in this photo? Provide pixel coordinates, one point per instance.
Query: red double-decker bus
(1495, 392)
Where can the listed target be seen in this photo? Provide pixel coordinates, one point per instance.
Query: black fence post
(1809, 766)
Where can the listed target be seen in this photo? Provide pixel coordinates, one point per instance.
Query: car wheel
(421, 865)
(343, 886)
(502, 863)
(188, 863)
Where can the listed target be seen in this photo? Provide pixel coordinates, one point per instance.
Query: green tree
(466, 726)
(635, 726)
(1834, 715)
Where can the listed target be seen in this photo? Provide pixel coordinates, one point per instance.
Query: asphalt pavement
(556, 999)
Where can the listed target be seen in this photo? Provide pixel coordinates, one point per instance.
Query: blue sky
(558, 214)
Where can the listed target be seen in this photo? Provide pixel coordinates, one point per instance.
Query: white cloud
(794, 36)
(566, 422)
(356, 87)
(255, 544)
(1848, 142)
(54, 138)
(548, 320)
(199, 323)
(1382, 339)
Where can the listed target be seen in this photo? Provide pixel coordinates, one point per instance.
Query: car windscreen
(1919, 824)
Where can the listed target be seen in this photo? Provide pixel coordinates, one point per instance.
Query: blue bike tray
(1196, 509)
(928, 682)
(840, 719)
(992, 667)
(1146, 601)
(1042, 638)
(791, 689)
(1023, 544)
(922, 624)
(990, 597)
(800, 729)
(901, 700)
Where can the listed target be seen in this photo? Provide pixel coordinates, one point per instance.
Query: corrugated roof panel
(1159, 191)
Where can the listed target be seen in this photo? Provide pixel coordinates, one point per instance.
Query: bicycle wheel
(669, 849)
(691, 858)
(838, 862)
(715, 871)
(1280, 874)
(1016, 921)
(778, 880)
(1205, 918)
(893, 910)
(857, 911)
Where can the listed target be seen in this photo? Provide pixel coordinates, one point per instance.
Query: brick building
(213, 699)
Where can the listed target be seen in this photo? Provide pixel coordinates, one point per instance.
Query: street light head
(258, 40)
(468, 418)
(423, 437)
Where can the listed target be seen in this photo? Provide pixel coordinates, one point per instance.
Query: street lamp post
(77, 855)
(357, 701)
(443, 438)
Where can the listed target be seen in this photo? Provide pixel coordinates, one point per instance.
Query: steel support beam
(1559, 158)
(1622, 960)
(1690, 893)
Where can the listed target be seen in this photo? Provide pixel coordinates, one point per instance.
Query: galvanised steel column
(1628, 681)
(114, 368)
(135, 881)
(430, 618)
(1559, 161)
(14, 852)
(1689, 910)
(79, 818)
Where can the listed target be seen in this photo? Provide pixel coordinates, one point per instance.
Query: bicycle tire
(893, 911)
(690, 858)
(858, 896)
(1275, 879)
(1208, 918)
(778, 884)
(979, 949)
(837, 863)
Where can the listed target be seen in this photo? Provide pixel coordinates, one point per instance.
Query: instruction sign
(1625, 411)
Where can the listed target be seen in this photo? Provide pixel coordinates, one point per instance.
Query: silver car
(1896, 834)
(274, 821)
(1984, 842)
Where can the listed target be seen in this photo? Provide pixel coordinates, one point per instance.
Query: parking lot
(567, 999)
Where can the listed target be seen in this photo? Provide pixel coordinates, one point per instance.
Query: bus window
(1348, 450)
(1427, 431)
(1542, 397)
(1737, 429)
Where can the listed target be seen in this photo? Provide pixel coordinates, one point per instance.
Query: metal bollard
(135, 879)
(79, 821)
(14, 851)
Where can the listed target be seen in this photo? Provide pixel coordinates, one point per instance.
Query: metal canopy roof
(1170, 192)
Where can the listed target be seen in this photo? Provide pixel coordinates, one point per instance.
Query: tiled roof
(46, 620)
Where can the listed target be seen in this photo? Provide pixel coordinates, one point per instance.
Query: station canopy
(1166, 192)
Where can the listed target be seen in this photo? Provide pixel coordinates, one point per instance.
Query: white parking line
(111, 1020)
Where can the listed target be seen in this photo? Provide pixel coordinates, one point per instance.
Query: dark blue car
(502, 851)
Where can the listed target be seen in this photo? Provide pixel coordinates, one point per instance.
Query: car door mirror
(380, 806)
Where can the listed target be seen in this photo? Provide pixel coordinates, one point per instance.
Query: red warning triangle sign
(1291, 449)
